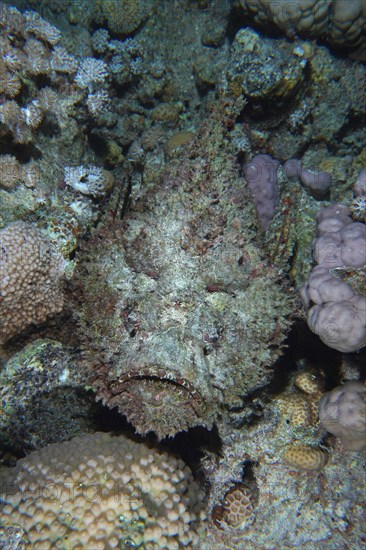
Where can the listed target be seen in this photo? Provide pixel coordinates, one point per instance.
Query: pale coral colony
(182, 274)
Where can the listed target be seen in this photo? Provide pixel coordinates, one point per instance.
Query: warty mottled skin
(181, 313)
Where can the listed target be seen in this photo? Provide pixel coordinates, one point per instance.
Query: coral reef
(41, 129)
(287, 500)
(124, 129)
(100, 491)
(32, 58)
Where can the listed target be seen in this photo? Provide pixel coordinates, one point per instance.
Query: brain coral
(30, 279)
(190, 315)
(99, 491)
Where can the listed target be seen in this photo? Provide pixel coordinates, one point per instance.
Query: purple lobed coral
(335, 312)
(317, 182)
(342, 412)
(261, 175)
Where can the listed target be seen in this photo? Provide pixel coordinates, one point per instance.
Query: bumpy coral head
(98, 491)
(31, 279)
(342, 412)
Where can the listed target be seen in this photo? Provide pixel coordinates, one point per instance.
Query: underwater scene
(182, 274)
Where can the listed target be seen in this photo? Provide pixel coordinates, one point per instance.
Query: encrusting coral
(340, 22)
(300, 408)
(101, 491)
(238, 507)
(305, 457)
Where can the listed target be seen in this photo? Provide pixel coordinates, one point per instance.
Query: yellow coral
(177, 142)
(305, 457)
(10, 171)
(295, 409)
(167, 112)
(310, 383)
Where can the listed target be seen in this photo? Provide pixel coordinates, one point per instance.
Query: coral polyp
(358, 208)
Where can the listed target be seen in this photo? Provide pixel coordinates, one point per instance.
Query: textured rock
(262, 72)
(42, 398)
